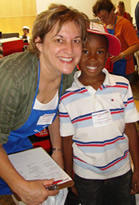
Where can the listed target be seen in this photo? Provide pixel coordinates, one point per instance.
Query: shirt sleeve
(9, 100)
(126, 33)
(66, 126)
(131, 113)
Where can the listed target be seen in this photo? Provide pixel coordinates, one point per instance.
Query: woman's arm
(131, 132)
(129, 51)
(56, 142)
(30, 192)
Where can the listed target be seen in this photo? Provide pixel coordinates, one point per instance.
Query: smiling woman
(29, 93)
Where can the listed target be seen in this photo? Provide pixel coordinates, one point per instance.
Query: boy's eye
(100, 52)
(85, 51)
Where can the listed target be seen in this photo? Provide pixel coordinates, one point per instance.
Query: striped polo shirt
(96, 120)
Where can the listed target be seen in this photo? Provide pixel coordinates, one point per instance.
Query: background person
(122, 12)
(123, 29)
(97, 125)
(29, 93)
(25, 36)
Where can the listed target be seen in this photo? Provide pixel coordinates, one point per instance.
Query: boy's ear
(78, 67)
(107, 55)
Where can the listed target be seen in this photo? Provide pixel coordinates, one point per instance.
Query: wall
(14, 14)
(82, 5)
(130, 7)
(133, 6)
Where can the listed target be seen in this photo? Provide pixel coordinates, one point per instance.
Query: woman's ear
(38, 43)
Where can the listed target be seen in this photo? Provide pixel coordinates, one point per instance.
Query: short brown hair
(102, 5)
(46, 20)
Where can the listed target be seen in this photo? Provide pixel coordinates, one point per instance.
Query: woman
(123, 29)
(121, 11)
(29, 93)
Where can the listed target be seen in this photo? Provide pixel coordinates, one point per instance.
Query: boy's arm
(131, 132)
(68, 158)
(68, 155)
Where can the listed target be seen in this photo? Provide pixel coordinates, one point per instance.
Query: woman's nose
(69, 47)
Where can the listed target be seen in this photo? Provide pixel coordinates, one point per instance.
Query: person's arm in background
(129, 51)
(129, 40)
(129, 17)
(131, 132)
(56, 142)
(30, 192)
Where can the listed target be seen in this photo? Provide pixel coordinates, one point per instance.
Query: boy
(25, 36)
(97, 116)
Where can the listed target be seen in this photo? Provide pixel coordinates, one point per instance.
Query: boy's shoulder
(118, 78)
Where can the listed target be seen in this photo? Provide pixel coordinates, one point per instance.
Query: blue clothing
(18, 139)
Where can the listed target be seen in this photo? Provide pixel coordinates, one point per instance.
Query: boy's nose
(92, 57)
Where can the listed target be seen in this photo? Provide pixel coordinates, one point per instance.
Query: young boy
(97, 125)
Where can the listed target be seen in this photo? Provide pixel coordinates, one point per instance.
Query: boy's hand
(135, 183)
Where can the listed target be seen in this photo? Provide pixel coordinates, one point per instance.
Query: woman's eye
(77, 41)
(59, 40)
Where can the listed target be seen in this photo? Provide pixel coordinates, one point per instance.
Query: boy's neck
(95, 82)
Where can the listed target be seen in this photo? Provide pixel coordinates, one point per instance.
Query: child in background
(25, 36)
(97, 125)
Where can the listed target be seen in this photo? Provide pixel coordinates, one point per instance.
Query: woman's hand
(116, 58)
(35, 192)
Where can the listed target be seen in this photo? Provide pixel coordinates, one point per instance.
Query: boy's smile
(94, 56)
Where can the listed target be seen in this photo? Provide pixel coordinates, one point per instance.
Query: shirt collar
(109, 81)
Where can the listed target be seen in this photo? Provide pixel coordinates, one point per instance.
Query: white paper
(37, 164)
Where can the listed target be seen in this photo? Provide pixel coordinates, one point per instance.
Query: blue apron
(18, 139)
(119, 67)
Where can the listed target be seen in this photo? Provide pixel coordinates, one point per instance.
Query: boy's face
(25, 32)
(94, 56)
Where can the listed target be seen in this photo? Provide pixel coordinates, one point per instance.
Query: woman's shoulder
(19, 70)
(19, 63)
(123, 22)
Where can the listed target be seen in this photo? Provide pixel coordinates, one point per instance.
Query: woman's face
(105, 16)
(120, 8)
(60, 52)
